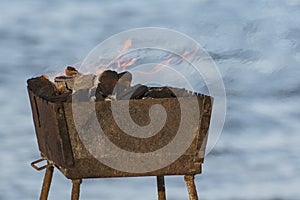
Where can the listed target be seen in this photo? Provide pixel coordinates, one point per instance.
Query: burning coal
(106, 86)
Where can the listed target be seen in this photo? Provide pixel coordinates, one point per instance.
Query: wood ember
(78, 87)
(135, 92)
(42, 87)
(160, 92)
(125, 78)
(98, 94)
(124, 82)
(181, 92)
(65, 97)
(64, 84)
(71, 71)
(139, 92)
(108, 79)
(67, 83)
(81, 95)
(84, 81)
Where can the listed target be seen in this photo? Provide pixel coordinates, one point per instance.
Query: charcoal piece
(68, 83)
(160, 92)
(99, 96)
(64, 83)
(124, 81)
(135, 92)
(62, 88)
(42, 87)
(65, 97)
(81, 95)
(125, 76)
(139, 92)
(108, 79)
(84, 81)
(71, 71)
(181, 92)
(110, 97)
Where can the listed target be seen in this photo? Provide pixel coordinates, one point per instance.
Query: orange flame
(187, 55)
(124, 63)
(131, 62)
(158, 67)
(126, 45)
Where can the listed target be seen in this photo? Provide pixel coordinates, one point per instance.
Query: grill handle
(34, 164)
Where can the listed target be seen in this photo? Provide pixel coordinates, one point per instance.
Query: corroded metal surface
(46, 183)
(59, 141)
(190, 183)
(161, 189)
(51, 130)
(76, 189)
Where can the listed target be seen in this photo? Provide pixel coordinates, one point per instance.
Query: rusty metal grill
(60, 145)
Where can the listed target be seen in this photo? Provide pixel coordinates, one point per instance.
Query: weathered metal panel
(59, 141)
(51, 130)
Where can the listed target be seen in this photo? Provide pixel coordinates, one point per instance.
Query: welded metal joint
(34, 164)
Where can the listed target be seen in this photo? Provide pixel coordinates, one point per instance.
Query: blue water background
(256, 45)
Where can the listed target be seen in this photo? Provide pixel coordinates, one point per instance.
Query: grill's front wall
(51, 130)
(59, 141)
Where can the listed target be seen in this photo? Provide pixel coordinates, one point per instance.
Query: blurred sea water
(256, 45)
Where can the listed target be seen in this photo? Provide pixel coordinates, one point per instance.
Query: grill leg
(46, 183)
(76, 189)
(161, 187)
(189, 179)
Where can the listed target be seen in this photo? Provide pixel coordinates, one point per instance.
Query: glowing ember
(71, 71)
